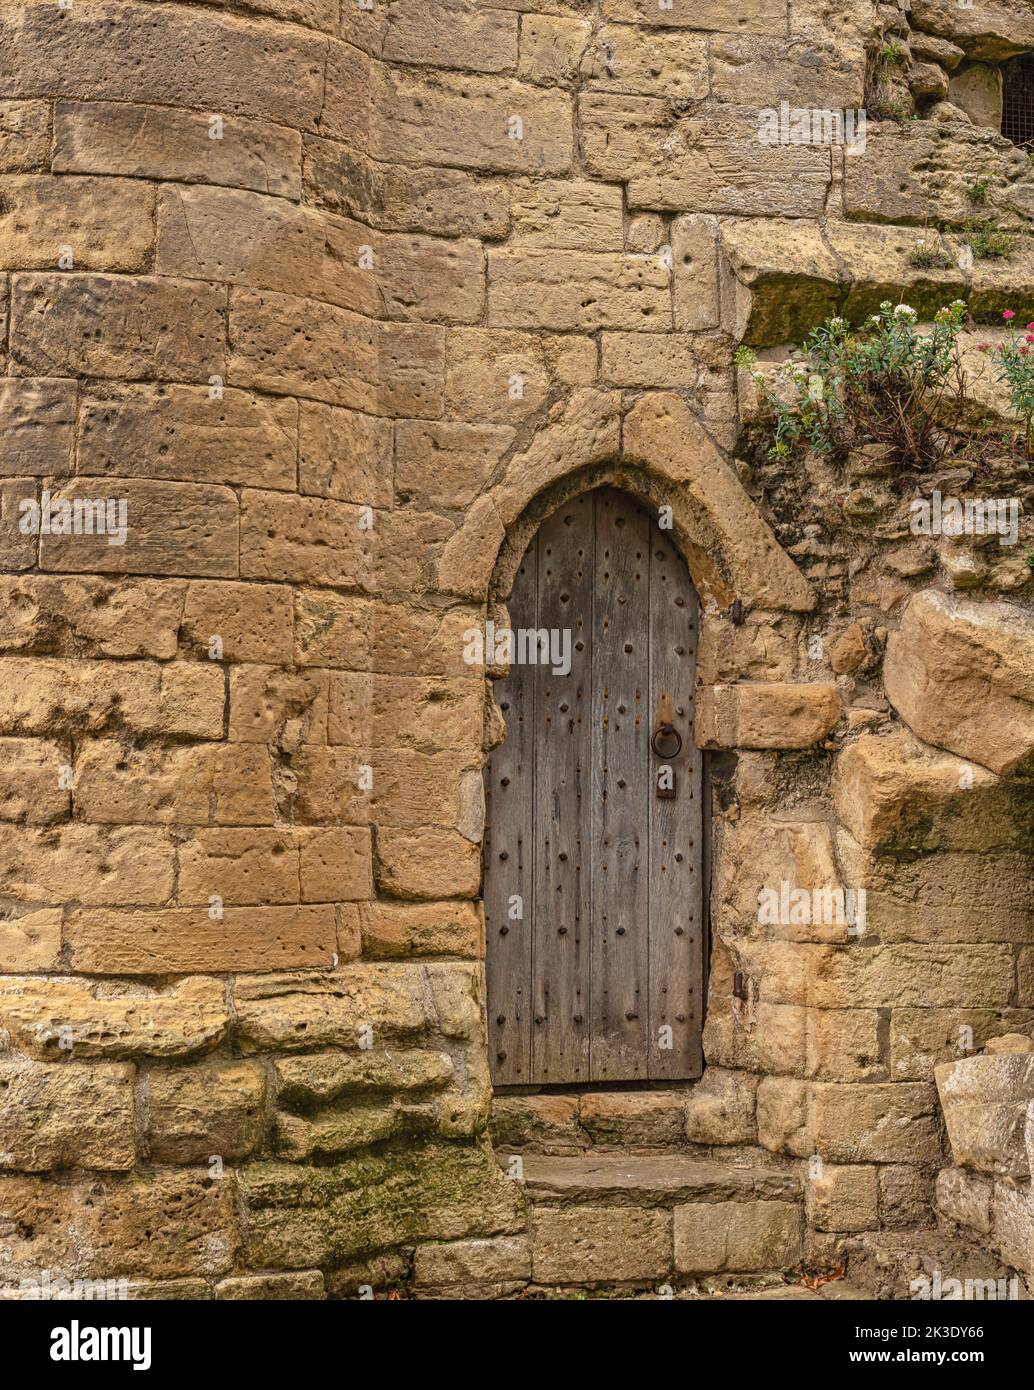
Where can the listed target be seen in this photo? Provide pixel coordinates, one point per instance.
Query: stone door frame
(660, 454)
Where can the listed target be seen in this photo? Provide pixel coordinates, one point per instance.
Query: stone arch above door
(659, 451)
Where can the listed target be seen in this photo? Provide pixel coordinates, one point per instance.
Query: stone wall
(339, 300)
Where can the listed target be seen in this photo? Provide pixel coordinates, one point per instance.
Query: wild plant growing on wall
(1014, 361)
(888, 382)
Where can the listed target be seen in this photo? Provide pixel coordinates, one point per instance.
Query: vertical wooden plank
(620, 719)
(560, 1028)
(507, 854)
(677, 924)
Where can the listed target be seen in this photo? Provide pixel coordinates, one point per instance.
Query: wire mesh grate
(1018, 101)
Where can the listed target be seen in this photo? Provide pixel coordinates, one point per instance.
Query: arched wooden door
(593, 863)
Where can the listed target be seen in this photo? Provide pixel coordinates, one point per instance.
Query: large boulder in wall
(961, 675)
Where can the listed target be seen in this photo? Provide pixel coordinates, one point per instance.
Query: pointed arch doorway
(594, 845)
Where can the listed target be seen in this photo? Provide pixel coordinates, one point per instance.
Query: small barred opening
(1018, 101)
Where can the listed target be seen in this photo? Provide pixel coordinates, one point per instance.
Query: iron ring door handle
(667, 731)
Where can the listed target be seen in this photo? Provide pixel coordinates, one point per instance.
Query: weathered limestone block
(181, 941)
(158, 142)
(627, 1119)
(47, 696)
(155, 1226)
(585, 1245)
(318, 1078)
(694, 252)
(97, 224)
(88, 617)
(292, 346)
(306, 1284)
(506, 376)
(344, 1129)
(720, 1109)
(779, 280)
(583, 290)
(501, 1259)
(394, 930)
(921, 1038)
(942, 897)
(906, 1196)
(134, 328)
(892, 792)
(239, 866)
(551, 47)
(761, 648)
(877, 265)
(225, 784)
(962, 676)
(782, 1116)
(991, 29)
(874, 1123)
(171, 528)
(756, 71)
(977, 89)
(446, 464)
(427, 862)
(985, 1101)
(711, 1237)
(58, 1019)
(37, 416)
(31, 941)
(211, 1109)
(87, 864)
(408, 788)
(270, 705)
(294, 1011)
(843, 1198)
(621, 58)
(913, 975)
(753, 17)
(844, 1045)
(245, 238)
(546, 1122)
(712, 164)
(566, 215)
(310, 540)
(299, 1216)
(182, 433)
(393, 198)
(451, 34)
(671, 361)
(66, 1117)
(1014, 1224)
(760, 856)
(344, 454)
(1010, 1044)
(30, 785)
(428, 714)
(966, 1198)
(24, 136)
(18, 551)
(211, 61)
(468, 123)
(927, 80)
(762, 714)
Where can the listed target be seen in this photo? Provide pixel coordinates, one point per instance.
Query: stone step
(666, 1180)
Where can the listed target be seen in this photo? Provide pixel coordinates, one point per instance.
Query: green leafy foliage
(886, 382)
(1014, 362)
